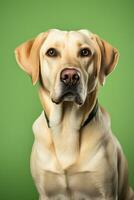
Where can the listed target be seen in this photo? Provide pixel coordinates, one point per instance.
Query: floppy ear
(27, 56)
(109, 58)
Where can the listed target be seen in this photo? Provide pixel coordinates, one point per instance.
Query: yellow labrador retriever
(74, 156)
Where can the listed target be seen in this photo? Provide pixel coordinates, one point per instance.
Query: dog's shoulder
(39, 123)
(41, 130)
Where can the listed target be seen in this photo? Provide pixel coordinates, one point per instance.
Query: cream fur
(67, 162)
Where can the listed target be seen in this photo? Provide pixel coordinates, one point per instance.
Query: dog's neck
(56, 113)
(66, 120)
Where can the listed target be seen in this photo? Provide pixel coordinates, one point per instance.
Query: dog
(75, 156)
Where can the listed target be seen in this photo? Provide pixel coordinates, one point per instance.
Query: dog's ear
(109, 58)
(27, 56)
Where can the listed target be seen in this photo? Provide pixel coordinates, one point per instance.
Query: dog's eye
(85, 52)
(52, 52)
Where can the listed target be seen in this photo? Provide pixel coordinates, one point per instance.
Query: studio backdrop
(19, 102)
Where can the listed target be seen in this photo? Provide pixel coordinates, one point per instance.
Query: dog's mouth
(70, 96)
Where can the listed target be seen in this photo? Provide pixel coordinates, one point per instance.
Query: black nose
(70, 76)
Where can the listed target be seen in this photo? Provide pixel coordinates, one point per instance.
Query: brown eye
(52, 52)
(85, 52)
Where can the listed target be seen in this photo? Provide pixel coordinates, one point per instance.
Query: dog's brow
(58, 44)
(78, 43)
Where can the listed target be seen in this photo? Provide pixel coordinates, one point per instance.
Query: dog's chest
(72, 186)
(89, 178)
(78, 186)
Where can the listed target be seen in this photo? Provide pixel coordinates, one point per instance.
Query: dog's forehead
(58, 37)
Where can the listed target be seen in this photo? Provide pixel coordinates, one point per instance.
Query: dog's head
(71, 64)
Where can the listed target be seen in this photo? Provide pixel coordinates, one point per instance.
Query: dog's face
(67, 65)
(70, 63)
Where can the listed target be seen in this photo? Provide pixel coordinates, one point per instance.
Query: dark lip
(67, 94)
(69, 91)
(77, 98)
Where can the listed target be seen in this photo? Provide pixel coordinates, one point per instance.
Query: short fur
(67, 161)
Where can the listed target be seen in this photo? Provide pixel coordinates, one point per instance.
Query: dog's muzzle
(70, 79)
(70, 84)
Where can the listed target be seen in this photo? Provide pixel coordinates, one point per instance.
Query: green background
(19, 103)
